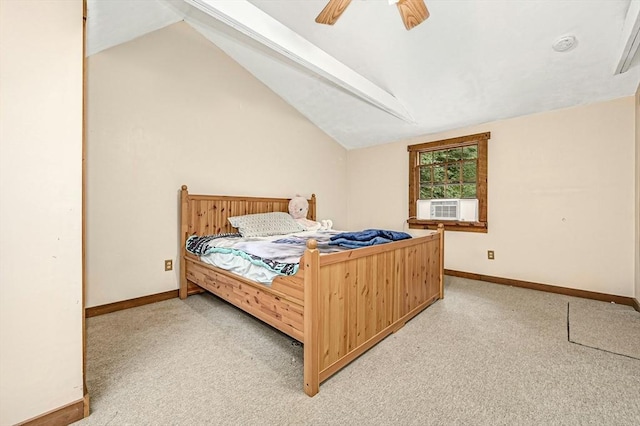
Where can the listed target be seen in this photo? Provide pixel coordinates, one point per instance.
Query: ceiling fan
(413, 12)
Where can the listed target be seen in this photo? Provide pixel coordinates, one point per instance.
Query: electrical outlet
(168, 265)
(490, 255)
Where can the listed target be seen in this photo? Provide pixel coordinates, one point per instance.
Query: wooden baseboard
(636, 305)
(131, 303)
(62, 416)
(622, 300)
(87, 404)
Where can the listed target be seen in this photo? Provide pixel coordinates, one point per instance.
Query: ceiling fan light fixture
(565, 43)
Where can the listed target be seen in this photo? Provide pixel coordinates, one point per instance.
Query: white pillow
(265, 224)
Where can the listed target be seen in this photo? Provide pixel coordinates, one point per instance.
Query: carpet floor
(484, 355)
(604, 326)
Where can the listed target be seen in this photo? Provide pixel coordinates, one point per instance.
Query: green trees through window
(448, 173)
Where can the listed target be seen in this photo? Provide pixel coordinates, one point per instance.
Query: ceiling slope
(470, 62)
(113, 22)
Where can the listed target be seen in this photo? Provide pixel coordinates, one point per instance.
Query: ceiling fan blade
(413, 12)
(332, 11)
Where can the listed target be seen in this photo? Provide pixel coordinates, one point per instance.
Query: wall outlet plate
(490, 255)
(168, 265)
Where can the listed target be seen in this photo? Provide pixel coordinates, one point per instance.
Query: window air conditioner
(464, 210)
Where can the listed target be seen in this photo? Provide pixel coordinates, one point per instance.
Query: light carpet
(604, 326)
(485, 355)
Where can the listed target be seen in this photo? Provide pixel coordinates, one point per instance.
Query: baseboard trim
(62, 416)
(622, 300)
(131, 303)
(87, 404)
(636, 305)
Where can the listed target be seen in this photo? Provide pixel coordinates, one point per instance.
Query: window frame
(479, 139)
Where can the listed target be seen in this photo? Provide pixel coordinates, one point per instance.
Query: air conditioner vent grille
(444, 209)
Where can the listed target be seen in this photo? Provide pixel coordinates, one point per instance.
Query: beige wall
(40, 207)
(561, 197)
(169, 109)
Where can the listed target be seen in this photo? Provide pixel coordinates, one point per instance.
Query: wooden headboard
(208, 214)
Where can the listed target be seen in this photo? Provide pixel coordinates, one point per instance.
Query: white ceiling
(472, 61)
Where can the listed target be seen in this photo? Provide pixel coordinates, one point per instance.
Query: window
(448, 184)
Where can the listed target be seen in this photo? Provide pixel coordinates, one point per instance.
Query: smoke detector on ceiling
(564, 43)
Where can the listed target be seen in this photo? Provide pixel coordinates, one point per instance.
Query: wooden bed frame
(338, 305)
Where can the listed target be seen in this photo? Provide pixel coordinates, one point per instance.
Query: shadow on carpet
(604, 326)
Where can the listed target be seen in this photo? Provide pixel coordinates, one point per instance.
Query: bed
(337, 305)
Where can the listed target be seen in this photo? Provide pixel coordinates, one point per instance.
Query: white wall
(40, 208)
(561, 197)
(169, 109)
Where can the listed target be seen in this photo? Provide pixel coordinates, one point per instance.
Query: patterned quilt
(280, 255)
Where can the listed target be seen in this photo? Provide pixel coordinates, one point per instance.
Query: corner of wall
(637, 201)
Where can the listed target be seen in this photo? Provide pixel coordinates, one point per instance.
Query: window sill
(449, 225)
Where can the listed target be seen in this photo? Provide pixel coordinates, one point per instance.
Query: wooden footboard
(339, 305)
(354, 299)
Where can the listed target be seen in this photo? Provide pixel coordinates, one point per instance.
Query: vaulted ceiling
(367, 80)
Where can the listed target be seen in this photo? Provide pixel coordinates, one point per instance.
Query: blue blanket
(368, 237)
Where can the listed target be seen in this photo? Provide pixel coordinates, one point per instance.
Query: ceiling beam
(253, 22)
(630, 38)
